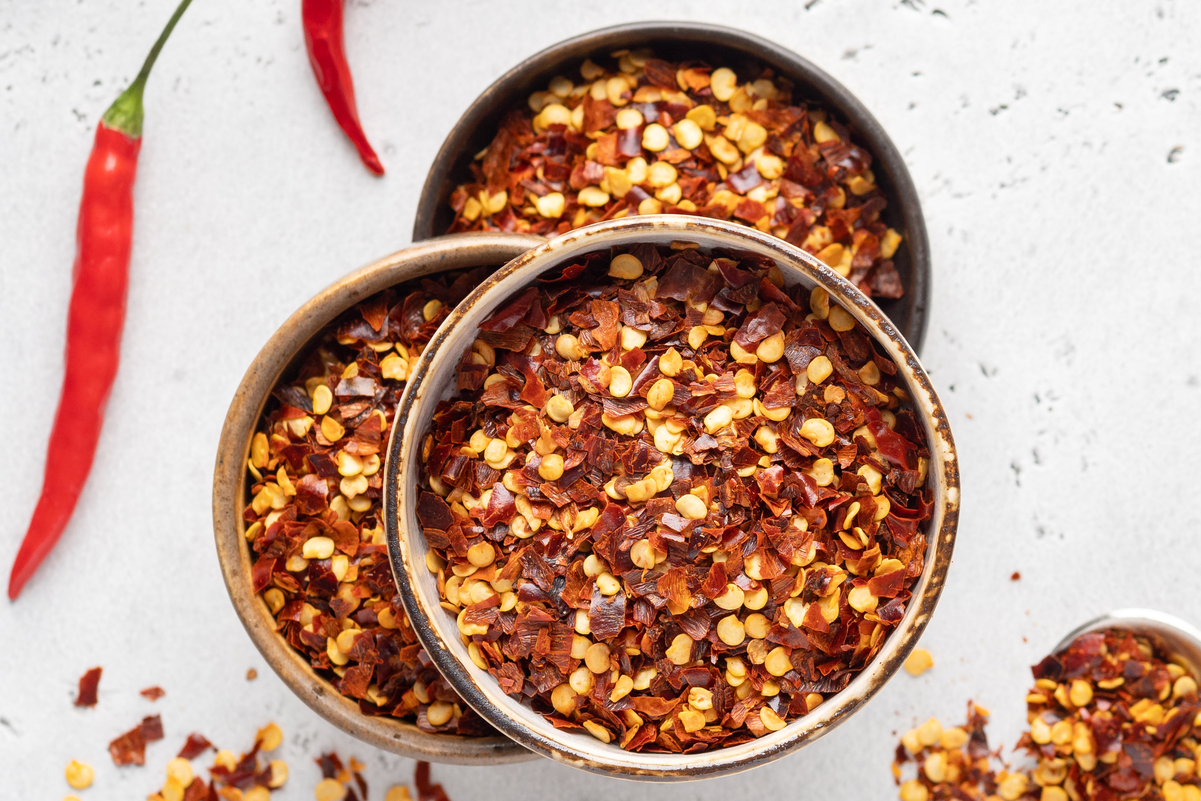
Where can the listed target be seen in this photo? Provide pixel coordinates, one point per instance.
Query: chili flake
(130, 747)
(674, 503)
(88, 684)
(315, 521)
(653, 137)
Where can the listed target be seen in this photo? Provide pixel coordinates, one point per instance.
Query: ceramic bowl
(281, 354)
(1173, 635)
(719, 46)
(433, 379)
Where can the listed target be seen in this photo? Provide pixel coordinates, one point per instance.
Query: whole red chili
(327, 54)
(95, 318)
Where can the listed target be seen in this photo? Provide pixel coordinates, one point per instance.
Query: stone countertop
(1055, 148)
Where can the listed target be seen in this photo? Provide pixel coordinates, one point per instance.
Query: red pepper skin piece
(327, 54)
(95, 318)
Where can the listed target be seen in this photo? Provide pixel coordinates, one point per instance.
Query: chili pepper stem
(126, 112)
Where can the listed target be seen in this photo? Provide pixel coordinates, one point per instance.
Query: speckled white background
(1039, 136)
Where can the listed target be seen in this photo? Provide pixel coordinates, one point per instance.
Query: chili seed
(79, 774)
(330, 790)
(918, 662)
(625, 267)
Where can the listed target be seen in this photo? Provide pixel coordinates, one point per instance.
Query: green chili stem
(125, 114)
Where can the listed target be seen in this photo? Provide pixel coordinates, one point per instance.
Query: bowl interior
(718, 46)
(433, 380)
(1176, 637)
(280, 357)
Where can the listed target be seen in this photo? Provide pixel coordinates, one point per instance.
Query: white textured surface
(1038, 136)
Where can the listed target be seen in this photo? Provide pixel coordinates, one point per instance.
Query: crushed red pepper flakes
(950, 763)
(426, 790)
(653, 137)
(88, 684)
(246, 776)
(1016, 576)
(196, 745)
(1112, 716)
(130, 747)
(673, 504)
(315, 524)
(336, 782)
(153, 693)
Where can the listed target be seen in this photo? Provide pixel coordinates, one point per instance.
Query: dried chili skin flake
(802, 179)
(196, 745)
(153, 693)
(129, 748)
(746, 532)
(425, 790)
(88, 684)
(324, 434)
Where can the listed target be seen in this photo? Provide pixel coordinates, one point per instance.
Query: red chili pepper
(327, 53)
(95, 318)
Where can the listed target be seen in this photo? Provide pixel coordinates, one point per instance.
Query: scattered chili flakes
(314, 524)
(88, 684)
(674, 504)
(238, 777)
(653, 137)
(336, 780)
(1016, 576)
(153, 693)
(951, 763)
(130, 747)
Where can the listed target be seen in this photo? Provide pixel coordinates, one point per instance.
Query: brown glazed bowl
(433, 379)
(282, 353)
(718, 46)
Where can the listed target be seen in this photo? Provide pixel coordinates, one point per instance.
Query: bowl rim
(589, 754)
(292, 338)
(796, 67)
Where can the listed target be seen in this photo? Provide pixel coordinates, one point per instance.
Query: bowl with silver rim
(433, 379)
(1175, 637)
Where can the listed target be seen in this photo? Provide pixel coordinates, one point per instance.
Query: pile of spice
(954, 763)
(1111, 717)
(673, 503)
(315, 523)
(652, 137)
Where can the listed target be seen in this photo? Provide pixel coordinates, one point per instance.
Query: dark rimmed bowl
(719, 46)
(282, 354)
(433, 379)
